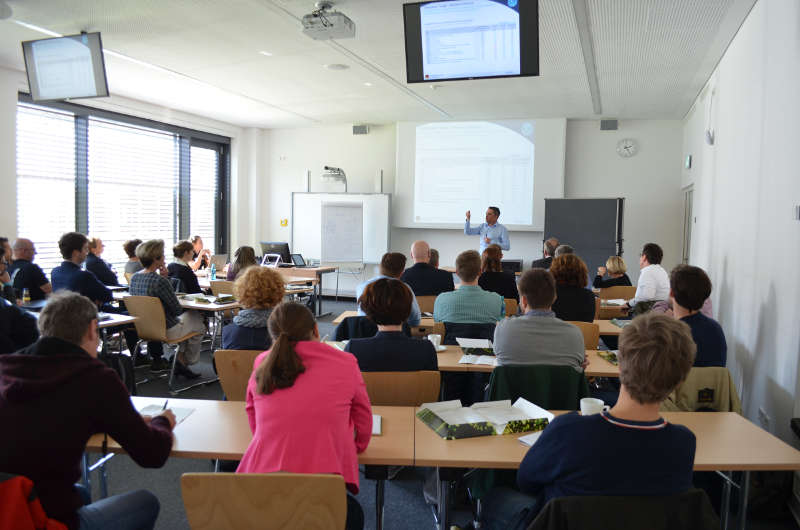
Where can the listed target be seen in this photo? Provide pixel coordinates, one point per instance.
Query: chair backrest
(512, 306)
(234, 368)
(284, 501)
(596, 307)
(467, 331)
(550, 387)
(219, 287)
(618, 291)
(708, 388)
(128, 277)
(407, 389)
(690, 510)
(151, 323)
(591, 333)
(426, 303)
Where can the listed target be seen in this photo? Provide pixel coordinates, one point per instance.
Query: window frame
(186, 139)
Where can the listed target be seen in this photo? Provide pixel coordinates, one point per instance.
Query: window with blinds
(133, 187)
(203, 195)
(115, 177)
(45, 180)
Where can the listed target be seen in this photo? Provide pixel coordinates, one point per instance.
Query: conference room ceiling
(651, 57)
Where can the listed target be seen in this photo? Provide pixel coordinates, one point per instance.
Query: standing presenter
(491, 232)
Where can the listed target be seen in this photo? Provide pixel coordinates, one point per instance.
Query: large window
(117, 178)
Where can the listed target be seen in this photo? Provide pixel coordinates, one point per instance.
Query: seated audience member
(423, 278)
(642, 453)
(689, 288)
(25, 274)
(201, 257)
(299, 389)
(133, 265)
(573, 300)
(615, 267)
(56, 395)
(434, 261)
(7, 290)
(493, 278)
(17, 327)
(258, 290)
(387, 303)
(74, 248)
(538, 336)
(563, 249)
(469, 304)
(392, 266)
(97, 266)
(149, 282)
(550, 246)
(243, 257)
(181, 270)
(653, 282)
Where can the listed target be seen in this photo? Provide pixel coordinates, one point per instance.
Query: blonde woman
(615, 267)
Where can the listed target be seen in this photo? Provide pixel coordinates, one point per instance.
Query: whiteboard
(342, 232)
(307, 222)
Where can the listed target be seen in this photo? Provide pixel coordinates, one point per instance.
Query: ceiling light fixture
(336, 66)
(265, 53)
(367, 84)
(5, 10)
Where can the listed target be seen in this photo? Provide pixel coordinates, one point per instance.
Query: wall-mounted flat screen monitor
(450, 40)
(66, 67)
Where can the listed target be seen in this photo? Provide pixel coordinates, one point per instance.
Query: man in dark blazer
(424, 279)
(549, 249)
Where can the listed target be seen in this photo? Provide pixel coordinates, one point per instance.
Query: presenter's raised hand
(467, 215)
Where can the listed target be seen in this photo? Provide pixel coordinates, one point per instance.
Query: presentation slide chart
(464, 166)
(64, 67)
(470, 38)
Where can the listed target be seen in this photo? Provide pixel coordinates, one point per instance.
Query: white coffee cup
(592, 406)
(436, 339)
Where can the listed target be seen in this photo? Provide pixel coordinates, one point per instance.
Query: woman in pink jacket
(307, 406)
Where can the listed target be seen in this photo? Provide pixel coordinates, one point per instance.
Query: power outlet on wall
(763, 418)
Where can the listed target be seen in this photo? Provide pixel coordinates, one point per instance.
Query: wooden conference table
(726, 441)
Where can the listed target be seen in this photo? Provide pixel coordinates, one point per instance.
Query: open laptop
(299, 262)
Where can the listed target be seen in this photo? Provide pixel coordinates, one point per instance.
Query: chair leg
(172, 369)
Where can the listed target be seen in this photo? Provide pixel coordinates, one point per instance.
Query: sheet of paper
(532, 410)
(488, 360)
(376, 425)
(468, 359)
(530, 439)
(615, 301)
(442, 405)
(181, 413)
(474, 343)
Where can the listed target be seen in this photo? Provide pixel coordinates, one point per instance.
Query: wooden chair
(151, 325)
(426, 303)
(409, 389)
(285, 501)
(128, 277)
(596, 308)
(618, 291)
(591, 333)
(234, 368)
(512, 306)
(219, 287)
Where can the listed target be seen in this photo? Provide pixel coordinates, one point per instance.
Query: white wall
(746, 187)
(650, 181)
(8, 142)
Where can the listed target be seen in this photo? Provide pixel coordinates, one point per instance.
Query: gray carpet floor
(404, 503)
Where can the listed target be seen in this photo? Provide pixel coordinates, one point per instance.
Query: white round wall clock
(627, 147)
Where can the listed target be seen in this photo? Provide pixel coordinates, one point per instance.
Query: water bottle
(213, 272)
(26, 296)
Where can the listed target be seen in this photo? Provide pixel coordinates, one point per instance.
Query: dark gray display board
(593, 227)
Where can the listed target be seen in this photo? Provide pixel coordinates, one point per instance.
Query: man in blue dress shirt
(491, 232)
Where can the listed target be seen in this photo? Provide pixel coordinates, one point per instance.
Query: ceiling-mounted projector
(324, 24)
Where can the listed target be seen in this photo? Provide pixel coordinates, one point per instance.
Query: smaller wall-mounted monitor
(449, 40)
(66, 67)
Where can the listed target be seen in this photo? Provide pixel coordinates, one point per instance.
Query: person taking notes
(491, 231)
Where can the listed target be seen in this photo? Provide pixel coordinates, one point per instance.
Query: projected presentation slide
(64, 68)
(462, 166)
(472, 38)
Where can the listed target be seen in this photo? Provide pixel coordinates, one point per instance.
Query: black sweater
(600, 283)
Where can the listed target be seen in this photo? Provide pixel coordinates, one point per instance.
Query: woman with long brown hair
(304, 400)
(573, 300)
(243, 257)
(493, 277)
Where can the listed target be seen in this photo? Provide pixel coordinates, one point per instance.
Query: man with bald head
(25, 274)
(424, 279)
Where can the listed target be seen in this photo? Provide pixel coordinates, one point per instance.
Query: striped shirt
(469, 304)
(153, 284)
